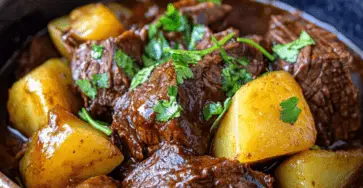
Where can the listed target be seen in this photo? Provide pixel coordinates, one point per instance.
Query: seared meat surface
(323, 72)
(203, 13)
(173, 166)
(84, 66)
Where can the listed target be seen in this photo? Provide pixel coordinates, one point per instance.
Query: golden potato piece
(94, 22)
(56, 29)
(252, 129)
(39, 91)
(319, 168)
(67, 148)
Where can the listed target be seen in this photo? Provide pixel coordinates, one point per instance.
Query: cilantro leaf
(258, 47)
(217, 2)
(196, 35)
(289, 52)
(212, 109)
(97, 51)
(173, 20)
(226, 105)
(154, 48)
(86, 87)
(99, 125)
(153, 30)
(126, 63)
(167, 110)
(100, 80)
(229, 59)
(233, 77)
(182, 71)
(290, 112)
(141, 76)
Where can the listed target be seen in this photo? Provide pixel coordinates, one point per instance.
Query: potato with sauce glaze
(56, 29)
(31, 98)
(320, 168)
(94, 22)
(67, 149)
(252, 129)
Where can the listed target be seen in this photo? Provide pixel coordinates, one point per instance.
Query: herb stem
(99, 126)
(259, 47)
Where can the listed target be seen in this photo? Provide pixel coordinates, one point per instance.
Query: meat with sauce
(84, 66)
(173, 166)
(323, 72)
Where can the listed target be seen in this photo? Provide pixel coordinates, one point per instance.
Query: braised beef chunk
(173, 166)
(203, 13)
(84, 67)
(323, 72)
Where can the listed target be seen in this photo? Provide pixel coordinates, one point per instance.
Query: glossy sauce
(249, 17)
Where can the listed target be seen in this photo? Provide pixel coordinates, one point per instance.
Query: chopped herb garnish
(257, 46)
(226, 105)
(154, 49)
(141, 76)
(153, 30)
(233, 77)
(182, 58)
(229, 59)
(289, 52)
(197, 35)
(126, 63)
(168, 109)
(290, 112)
(182, 71)
(212, 109)
(99, 125)
(97, 51)
(173, 20)
(86, 87)
(100, 80)
(315, 147)
(217, 2)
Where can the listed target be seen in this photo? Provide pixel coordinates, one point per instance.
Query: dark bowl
(22, 19)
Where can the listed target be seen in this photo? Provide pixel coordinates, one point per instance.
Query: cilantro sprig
(212, 109)
(141, 76)
(217, 2)
(100, 80)
(126, 63)
(196, 35)
(257, 46)
(86, 87)
(168, 109)
(289, 52)
(97, 51)
(99, 125)
(226, 105)
(290, 112)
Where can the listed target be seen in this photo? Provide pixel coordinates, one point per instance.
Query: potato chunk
(319, 168)
(94, 22)
(67, 149)
(56, 29)
(252, 129)
(39, 91)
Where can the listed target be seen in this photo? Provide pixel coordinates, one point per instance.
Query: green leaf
(289, 52)
(100, 80)
(97, 51)
(290, 112)
(167, 110)
(154, 48)
(212, 109)
(196, 35)
(99, 125)
(153, 30)
(217, 2)
(86, 87)
(141, 76)
(182, 71)
(226, 105)
(173, 20)
(126, 63)
(229, 59)
(233, 77)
